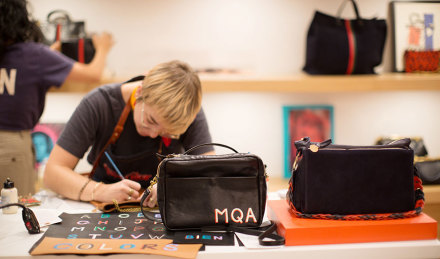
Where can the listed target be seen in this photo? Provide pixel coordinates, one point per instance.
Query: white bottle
(9, 195)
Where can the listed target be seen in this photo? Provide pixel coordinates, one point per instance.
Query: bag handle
(208, 144)
(356, 11)
(62, 13)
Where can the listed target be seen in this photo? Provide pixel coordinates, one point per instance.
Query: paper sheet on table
(251, 242)
(47, 217)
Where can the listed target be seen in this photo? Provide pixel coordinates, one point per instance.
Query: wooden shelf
(301, 83)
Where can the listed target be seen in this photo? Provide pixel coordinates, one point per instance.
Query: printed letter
(155, 237)
(136, 237)
(100, 228)
(250, 214)
(170, 247)
(137, 228)
(94, 235)
(240, 218)
(225, 212)
(104, 248)
(63, 246)
(84, 246)
(150, 246)
(7, 82)
(75, 228)
(127, 246)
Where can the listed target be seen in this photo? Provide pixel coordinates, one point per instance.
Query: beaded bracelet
(94, 189)
(82, 189)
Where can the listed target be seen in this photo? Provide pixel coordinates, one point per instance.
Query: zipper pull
(314, 148)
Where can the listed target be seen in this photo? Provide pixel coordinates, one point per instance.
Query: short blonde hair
(175, 91)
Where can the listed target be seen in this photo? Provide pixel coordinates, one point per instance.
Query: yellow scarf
(133, 98)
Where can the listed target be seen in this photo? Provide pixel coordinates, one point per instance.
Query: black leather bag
(416, 144)
(354, 182)
(72, 34)
(339, 46)
(428, 169)
(216, 192)
(197, 191)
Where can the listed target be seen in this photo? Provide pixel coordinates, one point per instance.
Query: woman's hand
(125, 190)
(103, 41)
(56, 46)
(151, 200)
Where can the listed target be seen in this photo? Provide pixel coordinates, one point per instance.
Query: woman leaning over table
(163, 115)
(28, 69)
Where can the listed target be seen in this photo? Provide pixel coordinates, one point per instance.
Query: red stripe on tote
(58, 33)
(351, 52)
(81, 50)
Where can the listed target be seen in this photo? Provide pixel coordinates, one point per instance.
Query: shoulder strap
(118, 128)
(115, 135)
(277, 240)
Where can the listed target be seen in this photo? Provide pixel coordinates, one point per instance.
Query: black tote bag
(339, 46)
(72, 34)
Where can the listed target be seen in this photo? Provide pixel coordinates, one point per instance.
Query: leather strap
(115, 135)
(277, 240)
(356, 10)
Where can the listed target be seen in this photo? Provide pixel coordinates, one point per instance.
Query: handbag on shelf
(417, 144)
(74, 41)
(419, 61)
(428, 169)
(214, 192)
(341, 46)
(343, 182)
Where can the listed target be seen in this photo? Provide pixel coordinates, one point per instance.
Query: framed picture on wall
(44, 137)
(416, 26)
(314, 121)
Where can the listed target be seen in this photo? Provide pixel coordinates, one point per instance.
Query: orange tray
(298, 231)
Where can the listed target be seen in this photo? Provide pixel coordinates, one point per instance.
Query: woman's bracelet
(82, 188)
(94, 189)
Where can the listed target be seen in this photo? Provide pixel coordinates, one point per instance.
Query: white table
(15, 241)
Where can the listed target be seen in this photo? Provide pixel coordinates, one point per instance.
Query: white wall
(261, 36)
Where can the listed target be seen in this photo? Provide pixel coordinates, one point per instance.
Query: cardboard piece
(298, 231)
(50, 245)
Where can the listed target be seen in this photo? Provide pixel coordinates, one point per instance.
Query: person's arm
(60, 178)
(92, 72)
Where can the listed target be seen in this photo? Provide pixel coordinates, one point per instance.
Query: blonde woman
(162, 115)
